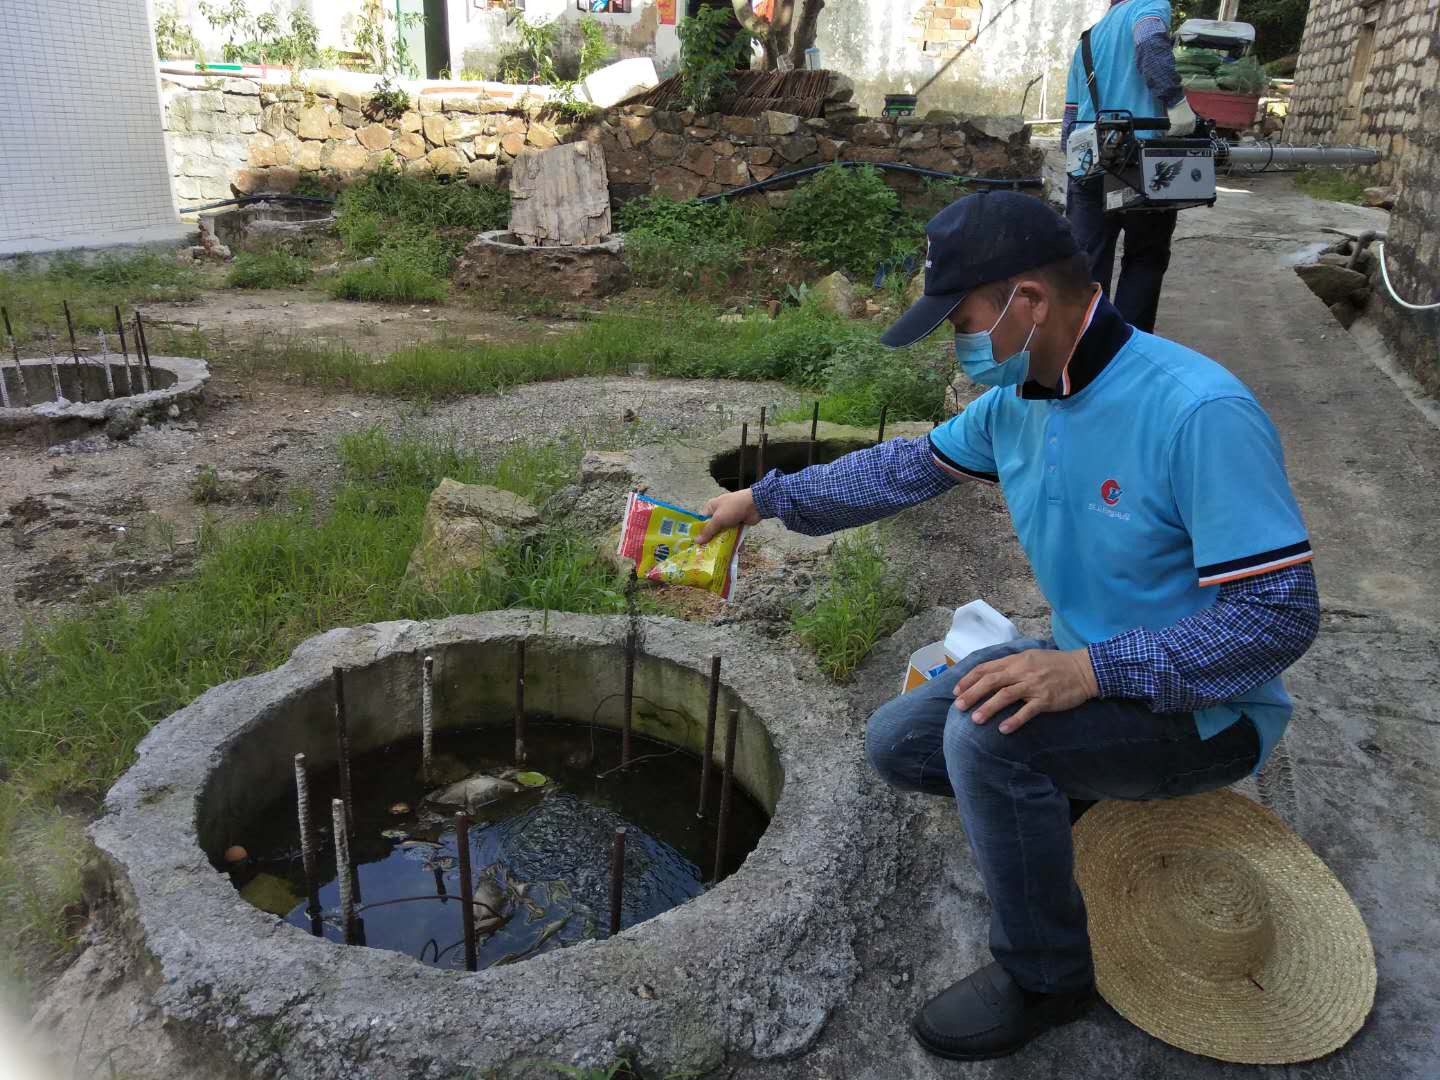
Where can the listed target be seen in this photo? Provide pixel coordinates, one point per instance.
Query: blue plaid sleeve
(1155, 57)
(1257, 627)
(859, 488)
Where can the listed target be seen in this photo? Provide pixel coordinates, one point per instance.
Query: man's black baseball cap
(981, 238)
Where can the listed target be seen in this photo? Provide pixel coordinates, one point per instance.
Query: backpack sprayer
(1166, 173)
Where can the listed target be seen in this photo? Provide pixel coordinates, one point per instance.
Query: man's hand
(1046, 680)
(1182, 119)
(727, 511)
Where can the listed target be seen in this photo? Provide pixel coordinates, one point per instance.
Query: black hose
(273, 197)
(893, 166)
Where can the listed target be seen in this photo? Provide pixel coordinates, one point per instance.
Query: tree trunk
(805, 30)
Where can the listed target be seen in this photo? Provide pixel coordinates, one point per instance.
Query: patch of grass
(862, 602)
(77, 695)
(32, 291)
(40, 874)
(691, 245)
(206, 487)
(275, 269)
(1331, 185)
(393, 278)
(847, 219)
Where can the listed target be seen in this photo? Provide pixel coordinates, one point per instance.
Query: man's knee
(972, 748)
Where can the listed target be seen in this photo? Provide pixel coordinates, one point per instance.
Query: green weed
(862, 602)
(1331, 185)
(848, 219)
(690, 245)
(31, 293)
(206, 487)
(275, 269)
(394, 277)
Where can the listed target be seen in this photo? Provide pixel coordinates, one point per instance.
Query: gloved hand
(1182, 119)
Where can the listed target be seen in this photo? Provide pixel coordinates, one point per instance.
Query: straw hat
(1217, 930)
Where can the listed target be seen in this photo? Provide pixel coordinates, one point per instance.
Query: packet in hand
(657, 537)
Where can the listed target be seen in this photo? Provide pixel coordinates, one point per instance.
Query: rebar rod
(105, 363)
(617, 879)
(744, 438)
(344, 871)
(760, 457)
(124, 351)
(520, 703)
(342, 755)
(19, 368)
(727, 778)
(144, 345)
(427, 717)
(880, 435)
(307, 842)
(74, 352)
(140, 358)
(814, 430)
(467, 891)
(629, 695)
(710, 711)
(762, 419)
(54, 365)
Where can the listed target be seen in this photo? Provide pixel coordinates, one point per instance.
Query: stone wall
(236, 136)
(1398, 94)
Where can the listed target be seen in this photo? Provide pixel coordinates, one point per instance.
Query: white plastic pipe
(1385, 274)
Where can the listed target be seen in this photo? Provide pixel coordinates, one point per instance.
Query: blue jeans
(1013, 792)
(1147, 250)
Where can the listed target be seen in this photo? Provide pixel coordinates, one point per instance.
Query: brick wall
(1390, 104)
(80, 146)
(943, 27)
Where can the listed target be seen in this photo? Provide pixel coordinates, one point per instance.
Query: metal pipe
(710, 711)
(629, 694)
(467, 891)
(124, 350)
(75, 352)
(54, 366)
(617, 879)
(520, 703)
(744, 438)
(344, 871)
(880, 435)
(814, 430)
(342, 748)
(427, 717)
(19, 368)
(307, 844)
(889, 166)
(140, 358)
(760, 457)
(727, 778)
(105, 362)
(1341, 157)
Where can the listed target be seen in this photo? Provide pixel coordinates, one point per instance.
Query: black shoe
(987, 1015)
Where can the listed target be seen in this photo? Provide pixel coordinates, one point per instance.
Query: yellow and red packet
(657, 538)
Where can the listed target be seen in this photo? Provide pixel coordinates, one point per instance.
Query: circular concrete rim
(190, 377)
(614, 243)
(755, 966)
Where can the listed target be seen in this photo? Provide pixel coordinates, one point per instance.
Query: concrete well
(177, 385)
(260, 226)
(498, 263)
(754, 967)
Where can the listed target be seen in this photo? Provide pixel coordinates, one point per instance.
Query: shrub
(846, 219)
(394, 277)
(270, 270)
(862, 602)
(712, 48)
(690, 244)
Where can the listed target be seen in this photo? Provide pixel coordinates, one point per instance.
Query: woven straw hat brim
(1313, 988)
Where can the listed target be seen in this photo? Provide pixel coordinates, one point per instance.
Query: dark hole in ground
(544, 852)
(787, 456)
(40, 381)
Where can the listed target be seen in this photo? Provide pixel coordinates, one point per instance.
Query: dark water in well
(542, 856)
(788, 456)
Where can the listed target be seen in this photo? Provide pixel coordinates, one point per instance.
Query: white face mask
(976, 355)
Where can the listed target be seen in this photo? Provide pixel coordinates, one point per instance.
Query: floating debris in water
(272, 894)
(531, 779)
(394, 834)
(235, 854)
(400, 809)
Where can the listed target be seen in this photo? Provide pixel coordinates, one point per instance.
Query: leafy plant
(846, 219)
(862, 602)
(174, 38)
(712, 48)
(594, 49)
(689, 245)
(267, 38)
(387, 102)
(388, 50)
(270, 270)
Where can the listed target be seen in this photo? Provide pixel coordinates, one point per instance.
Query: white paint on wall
(81, 137)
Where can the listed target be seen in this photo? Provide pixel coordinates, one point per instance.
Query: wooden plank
(560, 195)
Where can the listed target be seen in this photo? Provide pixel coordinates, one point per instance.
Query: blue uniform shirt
(1134, 488)
(1117, 76)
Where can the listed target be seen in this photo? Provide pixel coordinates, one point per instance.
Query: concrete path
(1357, 776)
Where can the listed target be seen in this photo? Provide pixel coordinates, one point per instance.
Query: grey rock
(1331, 283)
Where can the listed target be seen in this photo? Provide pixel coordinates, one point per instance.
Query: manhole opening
(82, 382)
(541, 834)
(788, 455)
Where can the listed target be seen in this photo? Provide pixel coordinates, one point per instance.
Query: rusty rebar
(54, 365)
(880, 435)
(760, 457)
(762, 420)
(427, 717)
(629, 695)
(342, 755)
(19, 367)
(740, 468)
(520, 703)
(124, 351)
(727, 778)
(467, 891)
(307, 843)
(814, 430)
(617, 879)
(710, 712)
(144, 345)
(105, 362)
(74, 352)
(344, 872)
(140, 359)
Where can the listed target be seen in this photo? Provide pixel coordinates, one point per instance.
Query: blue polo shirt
(1117, 72)
(1149, 476)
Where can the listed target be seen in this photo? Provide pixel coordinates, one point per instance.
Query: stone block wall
(1398, 103)
(236, 136)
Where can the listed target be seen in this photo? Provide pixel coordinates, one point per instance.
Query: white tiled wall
(82, 152)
